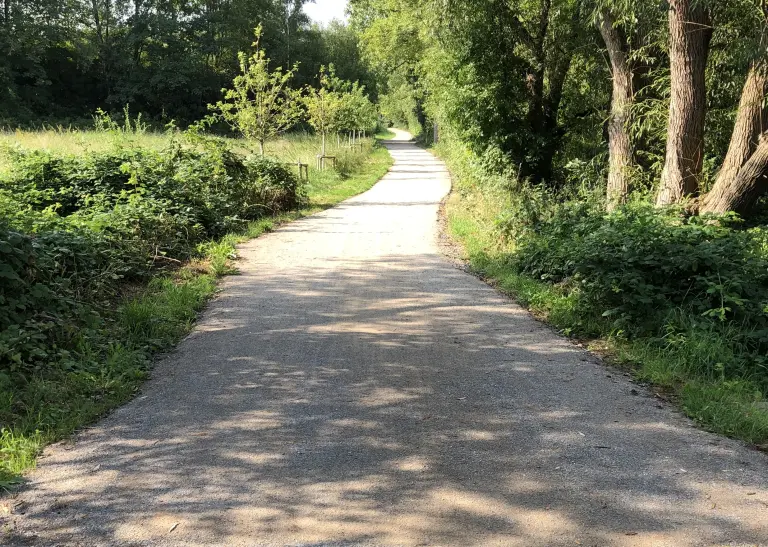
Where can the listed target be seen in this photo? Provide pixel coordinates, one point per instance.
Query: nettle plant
(260, 105)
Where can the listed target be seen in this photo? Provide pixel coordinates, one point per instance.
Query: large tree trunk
(620, 155)
(689, 35)
(726, 194)
(748, 186)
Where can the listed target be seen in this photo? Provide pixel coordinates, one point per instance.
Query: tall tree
(742, 176)
(690, 31)
(620, 155)
(523, 87)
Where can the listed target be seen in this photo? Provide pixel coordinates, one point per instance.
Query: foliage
(166, 59)
(92, 291)
(106, 218)
(260, 104)
(355, 111)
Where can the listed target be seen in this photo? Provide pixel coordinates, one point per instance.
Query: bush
(634, 269)
(78, 228)
(207, 186)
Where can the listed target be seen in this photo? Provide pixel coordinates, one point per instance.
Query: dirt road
(352, 387)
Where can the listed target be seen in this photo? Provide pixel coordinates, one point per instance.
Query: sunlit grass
(385, 135)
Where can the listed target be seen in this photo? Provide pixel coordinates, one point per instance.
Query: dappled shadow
(352, 387)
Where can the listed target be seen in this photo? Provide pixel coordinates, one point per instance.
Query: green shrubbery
(85, 225)
(685, 298)
(639, 268)
(79, 234)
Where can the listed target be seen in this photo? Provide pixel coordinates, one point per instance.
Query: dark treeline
(165, 58)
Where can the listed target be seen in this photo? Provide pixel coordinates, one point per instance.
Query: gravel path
(352, 387)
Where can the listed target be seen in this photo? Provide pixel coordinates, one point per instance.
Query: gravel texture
(352, 387)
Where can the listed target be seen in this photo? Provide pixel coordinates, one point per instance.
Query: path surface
(352, 387)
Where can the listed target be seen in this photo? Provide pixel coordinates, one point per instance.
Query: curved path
(352, 387)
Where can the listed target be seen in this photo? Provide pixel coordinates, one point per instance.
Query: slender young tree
(260, 104)
(322, 104)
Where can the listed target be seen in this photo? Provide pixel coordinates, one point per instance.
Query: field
(114, 241)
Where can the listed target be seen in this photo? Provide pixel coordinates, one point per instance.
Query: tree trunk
(620, 156)
(261, 147)
(690, 32)
(545, 81)
(97, 21)
(323, 143)
(748, 186)
(750, 124)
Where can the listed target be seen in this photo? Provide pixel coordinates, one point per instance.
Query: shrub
(77, 228)
(632, 268)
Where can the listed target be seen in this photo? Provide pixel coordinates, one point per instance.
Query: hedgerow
(79, 232)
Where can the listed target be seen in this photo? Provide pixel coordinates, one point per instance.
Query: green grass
(153, 318)
(687, 368)
(385, 135)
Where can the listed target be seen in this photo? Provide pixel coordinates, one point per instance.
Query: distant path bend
(351, 387)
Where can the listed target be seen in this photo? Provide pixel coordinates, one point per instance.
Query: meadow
(112, 242)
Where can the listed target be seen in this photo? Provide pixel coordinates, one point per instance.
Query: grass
(154, 318)
(385, 135)
(687, 369)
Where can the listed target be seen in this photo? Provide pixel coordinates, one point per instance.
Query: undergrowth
(681, 301)
(108, 254)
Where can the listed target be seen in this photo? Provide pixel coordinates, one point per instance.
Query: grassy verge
(685, 365)
(148, 320)
(385, 135)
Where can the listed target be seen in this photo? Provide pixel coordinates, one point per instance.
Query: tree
(741, 179)
(323, 104)
(620, 155)
(518, 54)
(342, 49)
(393, 42)
(260, 104)
(690, 31)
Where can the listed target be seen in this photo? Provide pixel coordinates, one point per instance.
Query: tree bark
(750, 124)
(690, 32)
(748, 186)
(620, 155)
